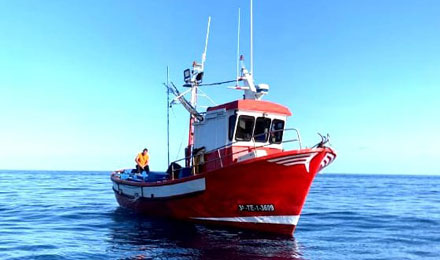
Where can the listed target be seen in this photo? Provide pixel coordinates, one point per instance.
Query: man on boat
(142, 160)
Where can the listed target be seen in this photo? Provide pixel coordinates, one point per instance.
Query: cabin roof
(254, 105)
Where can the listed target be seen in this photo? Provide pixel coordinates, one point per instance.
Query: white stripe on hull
(292, 160)
(175, 189)
(134, 191)
(289, 157)
(297, 159)
(287, 220)
(162, 191)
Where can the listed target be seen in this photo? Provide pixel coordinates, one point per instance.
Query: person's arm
(137, 160)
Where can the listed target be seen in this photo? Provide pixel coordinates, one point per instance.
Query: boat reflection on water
(138, 237)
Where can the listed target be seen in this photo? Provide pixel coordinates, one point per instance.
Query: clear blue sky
(81, 81)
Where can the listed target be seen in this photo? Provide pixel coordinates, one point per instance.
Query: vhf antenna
(238, 48)
(251, 90)
(252, 43)
(194, 77)
(206, 42)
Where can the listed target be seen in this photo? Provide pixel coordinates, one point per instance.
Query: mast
(192, 79)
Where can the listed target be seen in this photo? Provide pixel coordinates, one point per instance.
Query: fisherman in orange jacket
(142, 160)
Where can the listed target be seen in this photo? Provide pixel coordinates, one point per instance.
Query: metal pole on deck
(168, 117)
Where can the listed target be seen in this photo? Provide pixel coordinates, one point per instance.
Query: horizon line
(322, 173)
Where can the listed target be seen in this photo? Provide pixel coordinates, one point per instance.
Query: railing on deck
(255, 144)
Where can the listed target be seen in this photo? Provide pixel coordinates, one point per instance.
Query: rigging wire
(207, 97)
(218, 83)
(182, 138)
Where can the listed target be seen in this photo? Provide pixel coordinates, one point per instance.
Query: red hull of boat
(265, 193)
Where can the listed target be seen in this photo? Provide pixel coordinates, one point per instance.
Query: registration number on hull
(256, 207)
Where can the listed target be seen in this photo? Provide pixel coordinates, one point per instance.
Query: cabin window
(277, 131)
(232, 120)
(245, 126)
(261, 132)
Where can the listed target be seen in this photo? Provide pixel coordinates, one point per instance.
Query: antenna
(194, 77)
(206, 41)
(252, 43)
(238, 47)
(251, 90)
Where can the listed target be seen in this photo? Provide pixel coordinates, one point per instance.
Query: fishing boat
(236, 171)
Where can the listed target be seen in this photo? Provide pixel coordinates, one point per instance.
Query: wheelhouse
(238, 131)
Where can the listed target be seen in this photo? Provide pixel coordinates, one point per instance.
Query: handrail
(299, 137)
(253, 140)
(220, 159)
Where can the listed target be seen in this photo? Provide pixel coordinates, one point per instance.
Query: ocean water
(74, 215)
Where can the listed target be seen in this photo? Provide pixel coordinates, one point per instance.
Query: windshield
(261, 132)
(277, 131)
(245, 126)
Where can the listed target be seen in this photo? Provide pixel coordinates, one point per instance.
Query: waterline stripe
(287, 220)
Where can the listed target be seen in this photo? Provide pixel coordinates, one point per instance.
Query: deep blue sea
(74, 215)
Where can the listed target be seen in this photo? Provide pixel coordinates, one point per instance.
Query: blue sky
(81, 81)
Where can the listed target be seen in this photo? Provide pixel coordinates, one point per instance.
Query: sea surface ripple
(74, 215)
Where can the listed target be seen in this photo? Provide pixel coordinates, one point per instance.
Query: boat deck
(132, 175)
